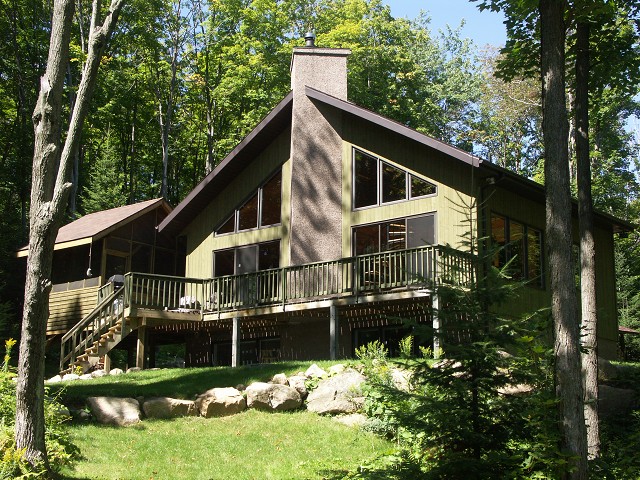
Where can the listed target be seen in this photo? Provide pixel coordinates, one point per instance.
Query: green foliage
(620, 458)
(106, 180)
(60, 450)
(485, 408)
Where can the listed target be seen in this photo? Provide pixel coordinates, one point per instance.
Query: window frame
(380, 224)
(539, 281)
(236, 211)
(379, 181)
(235, 255)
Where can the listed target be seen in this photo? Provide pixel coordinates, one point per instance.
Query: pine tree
(105, 189)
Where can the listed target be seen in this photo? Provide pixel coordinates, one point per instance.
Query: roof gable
(280, 117)
(270, 127)
(98, 224)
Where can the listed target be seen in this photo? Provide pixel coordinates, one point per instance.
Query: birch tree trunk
(558, 238)
(49, 194)
(587, 242)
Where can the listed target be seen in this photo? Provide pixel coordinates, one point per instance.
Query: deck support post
(333, 332)
(235, 342)
(435, 306)
(107, 362)
(143, 338)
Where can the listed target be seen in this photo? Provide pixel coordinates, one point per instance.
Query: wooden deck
(148, 299)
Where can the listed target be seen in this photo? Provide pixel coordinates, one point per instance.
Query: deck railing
(85, 333)
(361, 275)
(421, 267)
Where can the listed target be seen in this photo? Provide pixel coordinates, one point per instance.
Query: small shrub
(60, 451)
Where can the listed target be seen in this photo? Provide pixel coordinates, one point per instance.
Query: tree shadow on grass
(176, 383)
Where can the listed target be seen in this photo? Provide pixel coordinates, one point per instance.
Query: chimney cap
(310, 38)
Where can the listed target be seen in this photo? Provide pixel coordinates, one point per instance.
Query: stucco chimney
(316, 154)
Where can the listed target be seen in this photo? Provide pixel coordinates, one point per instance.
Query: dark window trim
(540, 284)
(235, 249)
(379, 162)
(236, 216)
(433, 214)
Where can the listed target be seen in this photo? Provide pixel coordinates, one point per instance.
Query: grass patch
(251, 445)
(183, 383)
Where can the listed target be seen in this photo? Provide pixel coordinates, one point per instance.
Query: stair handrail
(83, 324)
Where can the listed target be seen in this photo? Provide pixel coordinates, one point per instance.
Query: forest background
(185, 80)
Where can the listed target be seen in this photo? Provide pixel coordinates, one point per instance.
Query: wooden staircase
(95, 335)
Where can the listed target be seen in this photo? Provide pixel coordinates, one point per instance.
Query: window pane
(367, 239)
(271, 201)
(394, 235)
(394, 184)
(365, 180)
(248, 214)
(229, 226)
(420, 187)
(516, 249)
(269, 255)
(534, 256)
(499, 239)
(246, 259)
(223, 263)
(420, 231)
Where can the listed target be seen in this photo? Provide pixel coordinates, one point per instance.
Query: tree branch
(98, 38)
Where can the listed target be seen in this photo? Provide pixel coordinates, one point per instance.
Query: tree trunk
(587, 242)
(49, 194)
(47, 117)
(558, 238)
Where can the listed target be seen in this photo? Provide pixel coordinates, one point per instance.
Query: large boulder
(339, 394)
(315, 371)
(115, 411)
(280, 379)
(165, 407)
(271, 396)
(220, 402)
(337, 369)
(299, 383)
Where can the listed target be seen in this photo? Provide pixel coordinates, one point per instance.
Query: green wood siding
(201, 240)
(454, 179)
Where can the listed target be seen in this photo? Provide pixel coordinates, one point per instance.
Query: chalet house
(320, 230)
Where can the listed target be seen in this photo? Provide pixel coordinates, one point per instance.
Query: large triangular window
(376, 182)
(262, 209)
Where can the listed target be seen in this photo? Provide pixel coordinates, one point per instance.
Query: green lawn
(251, 445)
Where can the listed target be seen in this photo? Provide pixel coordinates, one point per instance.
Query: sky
(482, 27)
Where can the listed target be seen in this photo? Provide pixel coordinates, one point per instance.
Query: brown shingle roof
(96, 225)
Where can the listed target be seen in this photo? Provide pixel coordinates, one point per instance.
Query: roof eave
(179, 218)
